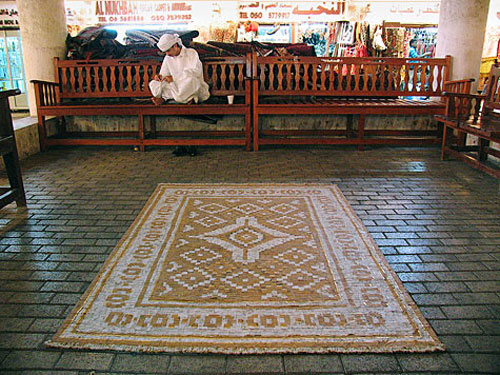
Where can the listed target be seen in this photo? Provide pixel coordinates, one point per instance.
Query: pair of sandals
(182, 150)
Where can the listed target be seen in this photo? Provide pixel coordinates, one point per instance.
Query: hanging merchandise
(345, 37)
(361, 39)
(395, 41)
(378, 41)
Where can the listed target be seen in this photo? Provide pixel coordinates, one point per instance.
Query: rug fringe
(369, 348)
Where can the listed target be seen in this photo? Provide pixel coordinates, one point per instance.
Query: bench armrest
(46, 93)
(39, 81)
(460, 85)
(461, 106)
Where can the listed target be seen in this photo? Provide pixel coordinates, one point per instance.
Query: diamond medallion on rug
(247, 268)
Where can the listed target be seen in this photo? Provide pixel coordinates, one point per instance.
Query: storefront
(335, 28)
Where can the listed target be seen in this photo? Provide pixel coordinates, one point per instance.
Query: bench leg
(248, 130)
(255, 128)
(61, 126)
(483, 143)
(141, 133)
(444, 142)
(461, 139)
(349, 126)
(361, 132)
(42, 133)
(153, 126)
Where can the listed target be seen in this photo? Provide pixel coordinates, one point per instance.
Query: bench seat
(333, 105)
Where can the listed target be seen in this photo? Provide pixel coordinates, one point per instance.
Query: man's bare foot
(191, 101)
(157, 101)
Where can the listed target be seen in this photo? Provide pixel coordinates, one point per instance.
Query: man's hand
(159, 78)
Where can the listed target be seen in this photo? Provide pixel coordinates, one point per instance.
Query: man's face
(173, 51)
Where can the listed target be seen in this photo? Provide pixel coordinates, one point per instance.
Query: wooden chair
(8, 149)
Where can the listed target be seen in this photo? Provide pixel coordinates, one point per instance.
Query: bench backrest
(130, 78)
(351, 76)
(491, 105)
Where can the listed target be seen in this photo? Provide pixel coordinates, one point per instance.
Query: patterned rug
(249, 268)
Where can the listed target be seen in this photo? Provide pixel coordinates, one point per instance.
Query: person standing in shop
(413, 50)
(180, 78)
(413, 53)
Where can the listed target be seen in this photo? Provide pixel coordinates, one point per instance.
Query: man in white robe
(181, 74)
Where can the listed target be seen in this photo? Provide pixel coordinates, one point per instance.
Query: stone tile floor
(438, 223)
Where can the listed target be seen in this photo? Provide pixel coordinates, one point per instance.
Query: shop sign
(291, 11)
(424, 12)
(145, 12)
(8, 15)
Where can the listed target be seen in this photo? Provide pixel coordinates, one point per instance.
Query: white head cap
(167, 41)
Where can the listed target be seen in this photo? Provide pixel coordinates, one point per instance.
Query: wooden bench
(115, 87)
(348, 86)
(478, 116)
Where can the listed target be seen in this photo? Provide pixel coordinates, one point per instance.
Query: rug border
(380, 346)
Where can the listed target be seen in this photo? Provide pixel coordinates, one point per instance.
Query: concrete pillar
(43, 33)
(462, 25)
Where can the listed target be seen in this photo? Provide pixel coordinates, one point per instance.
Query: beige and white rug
(247, 268)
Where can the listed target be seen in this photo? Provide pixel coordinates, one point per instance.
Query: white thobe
(187, 74)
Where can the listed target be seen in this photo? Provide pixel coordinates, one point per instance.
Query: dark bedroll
(262, 86)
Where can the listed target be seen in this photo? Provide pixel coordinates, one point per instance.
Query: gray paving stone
(415, 287)
(84, 361)
(478, 363)
(197, 364)
(428, 267)
(446, 287)
(370, 362)
(141, 363)
(312, 364)
(48, 325)
(3, 354)
(65, 298)
(38, 298)
(434, 299)
(427, 362)
(417, 276)
(455, 344)
(432, 312)
(456, 327)
(40, 311)
(30, 360)
(468, 312)
(490, 344)
(477, 298)
(23, 341)
(484, 286)
(15, 324)
(265, 364)
(61, 286)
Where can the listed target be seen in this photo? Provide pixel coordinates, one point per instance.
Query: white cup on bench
(230, 99)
